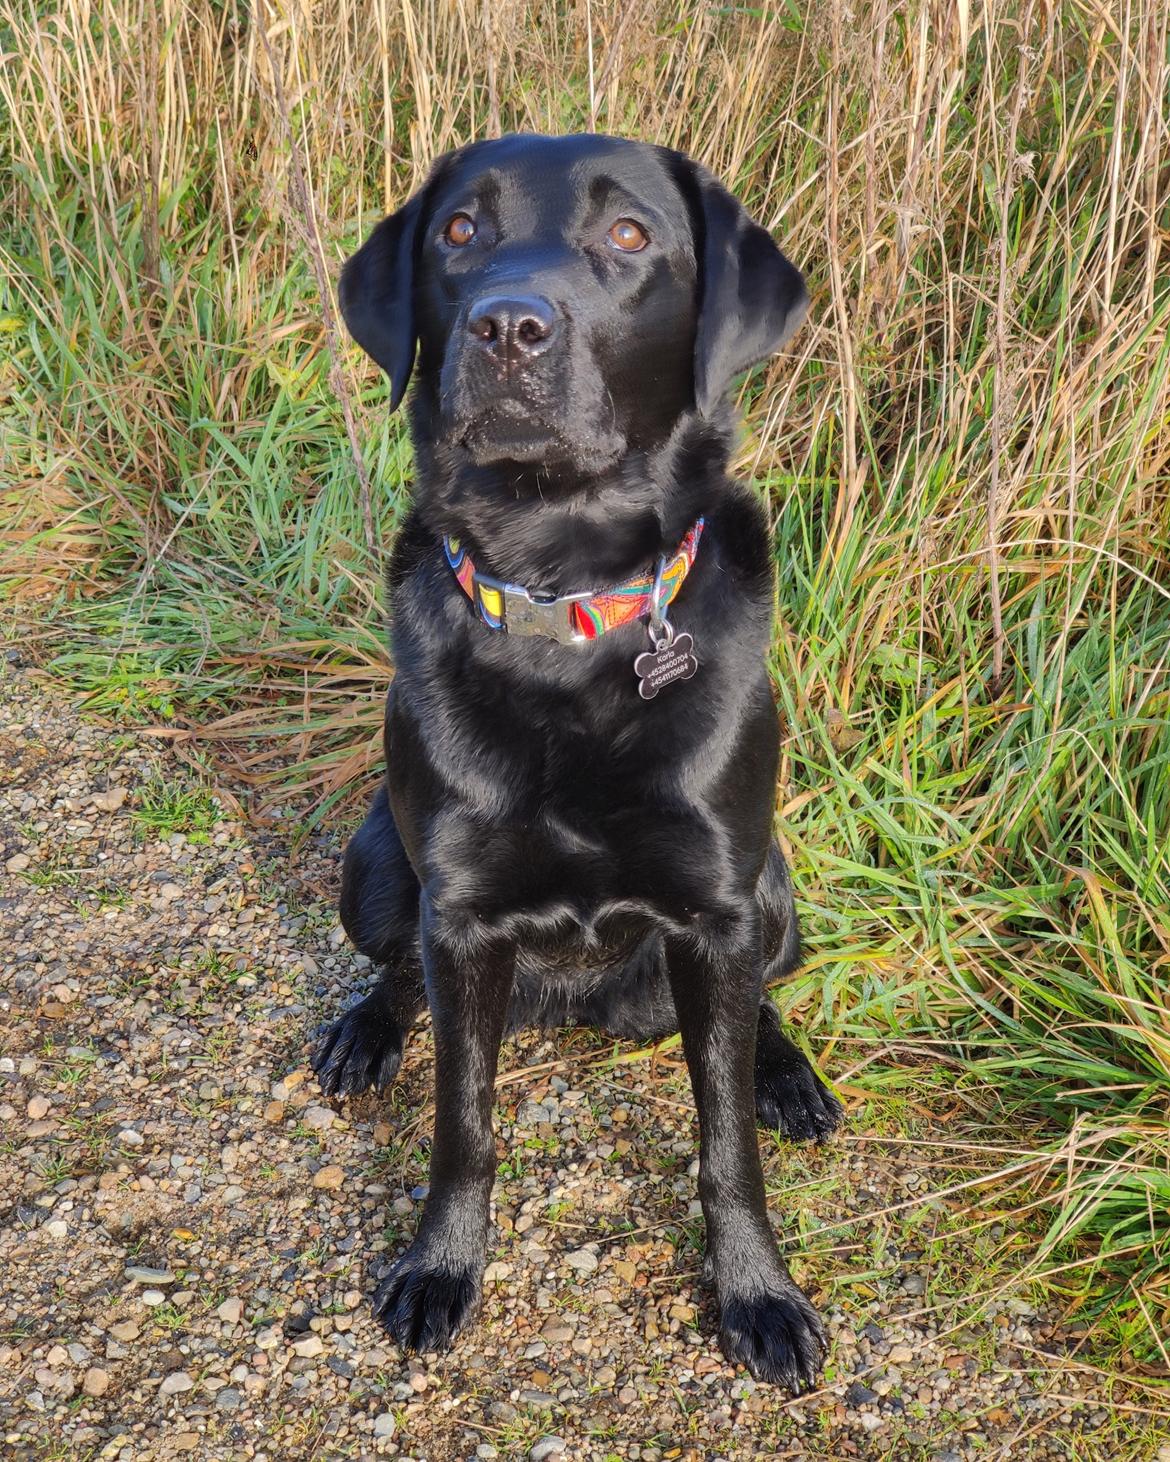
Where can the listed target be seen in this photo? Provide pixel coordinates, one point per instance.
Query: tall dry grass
(966, 454)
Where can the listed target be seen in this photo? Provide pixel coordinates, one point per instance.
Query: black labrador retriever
(581, 744)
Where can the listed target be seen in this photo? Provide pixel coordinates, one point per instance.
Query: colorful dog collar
(570, 618)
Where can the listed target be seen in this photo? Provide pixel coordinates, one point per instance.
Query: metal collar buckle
(549, 615)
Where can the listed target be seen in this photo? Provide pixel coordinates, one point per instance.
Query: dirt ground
(189, 1232)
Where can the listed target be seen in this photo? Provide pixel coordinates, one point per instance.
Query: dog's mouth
(511, 430)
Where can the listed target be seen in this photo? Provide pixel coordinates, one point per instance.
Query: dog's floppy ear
(751, 298)
(376, 294)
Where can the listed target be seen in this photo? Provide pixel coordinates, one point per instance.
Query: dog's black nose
(513, 327)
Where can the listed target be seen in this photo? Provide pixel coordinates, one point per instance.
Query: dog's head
(569, 298)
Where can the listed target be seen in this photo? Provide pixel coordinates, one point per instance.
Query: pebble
(230, 1311)
(329, 1178)
(38, 1107)
(143, 1274)
(18, 863)
(96, 1381)
(583, 1260)
(125, 1331)
(153, 1297)
(547, 1447)
(310, 1345)
(914, 1284)
(175, 1383)
(385, 1425)
(318, 1119)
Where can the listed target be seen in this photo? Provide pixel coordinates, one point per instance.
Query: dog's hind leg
(790, 1096)
(379, 909)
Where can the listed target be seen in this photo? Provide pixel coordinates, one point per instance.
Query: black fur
(548, 848)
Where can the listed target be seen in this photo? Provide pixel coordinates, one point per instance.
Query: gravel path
(188, 1231)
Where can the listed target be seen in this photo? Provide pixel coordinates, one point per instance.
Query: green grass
(162, 808)
(965, 456)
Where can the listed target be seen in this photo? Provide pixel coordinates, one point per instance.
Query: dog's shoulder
(741, 537)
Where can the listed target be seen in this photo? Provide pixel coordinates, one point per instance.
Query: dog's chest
(558, 867)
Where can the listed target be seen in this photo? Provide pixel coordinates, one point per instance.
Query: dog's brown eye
(627, 236)
(460, 230)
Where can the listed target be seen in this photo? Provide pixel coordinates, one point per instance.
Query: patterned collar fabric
(570, 617)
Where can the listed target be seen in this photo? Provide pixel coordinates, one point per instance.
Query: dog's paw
(792, 1098)
(777, 1335)
(423, 1304)
(362, 1049)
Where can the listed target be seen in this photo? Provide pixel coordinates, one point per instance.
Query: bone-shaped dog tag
(673, 659)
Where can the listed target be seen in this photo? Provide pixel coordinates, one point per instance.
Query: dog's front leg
(766, 1322)
(435, 1288)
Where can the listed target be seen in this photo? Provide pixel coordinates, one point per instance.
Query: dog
(575, 825)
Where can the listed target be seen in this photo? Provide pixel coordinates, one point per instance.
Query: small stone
(547, 1447)
(57, 1229)
(900, 1355)
(318, 1119)
(176, 1382)
(96, 1382)
(125, 1331)
(143, 1274)
(274, 1112)
(914, 1284)
(497, 1270)
(153, 1297)
(18, 863)
(582, 1260)
(385, 1425)
(308, 1346)
(859, 1395)
(230, 1311)
(109, 801)
(38, 1107)
(129, 1138)
(871, 1420)
(185, 1441)
(330, 1177)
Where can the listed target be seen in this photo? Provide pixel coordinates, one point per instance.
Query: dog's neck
(565, 530)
